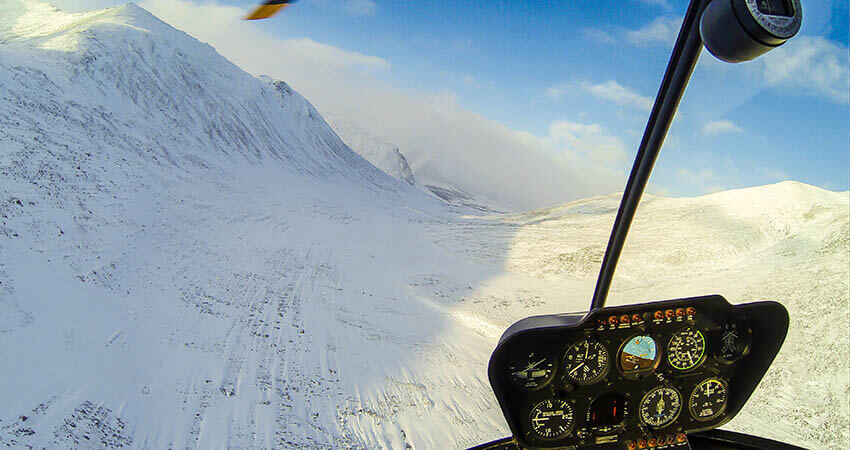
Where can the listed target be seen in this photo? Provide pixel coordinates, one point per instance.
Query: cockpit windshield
(322, 228)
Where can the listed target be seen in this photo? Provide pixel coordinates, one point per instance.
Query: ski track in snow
(190, 258)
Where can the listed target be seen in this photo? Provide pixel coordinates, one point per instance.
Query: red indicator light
(659, 315)
(636, 317)
(680, 312)
(632, 445)
(642, 443)
(651, 443)
(681, 437)
(624, 319)
(691, 311)
(612, 320)
(669, 313)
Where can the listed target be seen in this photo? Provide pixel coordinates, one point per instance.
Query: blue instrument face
(638, 354)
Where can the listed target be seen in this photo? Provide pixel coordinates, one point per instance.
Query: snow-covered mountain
(382, 155)
(191, 257)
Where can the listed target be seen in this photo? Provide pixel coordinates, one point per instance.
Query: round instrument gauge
(686, 349)
(638, 354)
(532, 371)
(607, 412)
(552, 419)
(708, 400)
(660, 407)
(586, 362)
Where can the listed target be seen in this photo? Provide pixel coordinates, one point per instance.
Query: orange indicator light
(680, 312)
(632, 445)
(669, 313)
(651, 443)
(624, 319)
(612, 320)
(691, 311)
(681, 437)
(642, 443)
(659, 315)
(636, 317)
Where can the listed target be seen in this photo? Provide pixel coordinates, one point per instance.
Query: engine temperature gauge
(533, 371)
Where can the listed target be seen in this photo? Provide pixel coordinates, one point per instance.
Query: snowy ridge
(190, 257)
(382, 155)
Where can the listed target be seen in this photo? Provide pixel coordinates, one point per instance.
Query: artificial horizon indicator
(639, 354)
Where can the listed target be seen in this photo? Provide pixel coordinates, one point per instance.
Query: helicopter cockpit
(659, 375)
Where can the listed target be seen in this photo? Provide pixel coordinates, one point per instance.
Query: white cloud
(438, 136)
(595, 34)
(661, 31)
(812, 65)
(617, 93)
(720, 126)
(587, 141)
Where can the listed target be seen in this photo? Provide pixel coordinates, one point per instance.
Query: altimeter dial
(532, 371)
(660, 407)
(586, 362)
(686, 349)
(552, 419)
(708, 400)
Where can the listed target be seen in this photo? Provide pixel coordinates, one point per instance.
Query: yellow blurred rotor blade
(269, 9)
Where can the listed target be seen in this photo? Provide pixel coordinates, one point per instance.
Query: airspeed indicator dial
(686, 349)
(552, 419)
(586, 361)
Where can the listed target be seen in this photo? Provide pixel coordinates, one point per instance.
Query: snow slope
(190, 257)
(382, 155)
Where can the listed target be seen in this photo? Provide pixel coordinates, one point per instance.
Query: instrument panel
(636, 376)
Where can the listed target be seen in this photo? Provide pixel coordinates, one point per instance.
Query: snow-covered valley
(190, 257)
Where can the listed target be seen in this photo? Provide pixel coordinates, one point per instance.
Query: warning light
(691, 311)
(659, 315)
(612, 320)
(651, 443)
(636, 317)
(669, 313)
(680, 312)
(632, 445)
(681, 437)
(642, 443)
(624, 318)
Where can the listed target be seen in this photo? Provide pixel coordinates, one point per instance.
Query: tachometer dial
(660, 406)
(533, 371)
(708, 400)
(551, 419)
(638, 354)
(586, 362)
(686, 349)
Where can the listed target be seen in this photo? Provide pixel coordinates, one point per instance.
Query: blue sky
(563, 86)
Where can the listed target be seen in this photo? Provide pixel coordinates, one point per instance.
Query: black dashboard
(633, 377)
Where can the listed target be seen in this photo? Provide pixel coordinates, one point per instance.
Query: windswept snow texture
(382, 155)
(191, 258)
